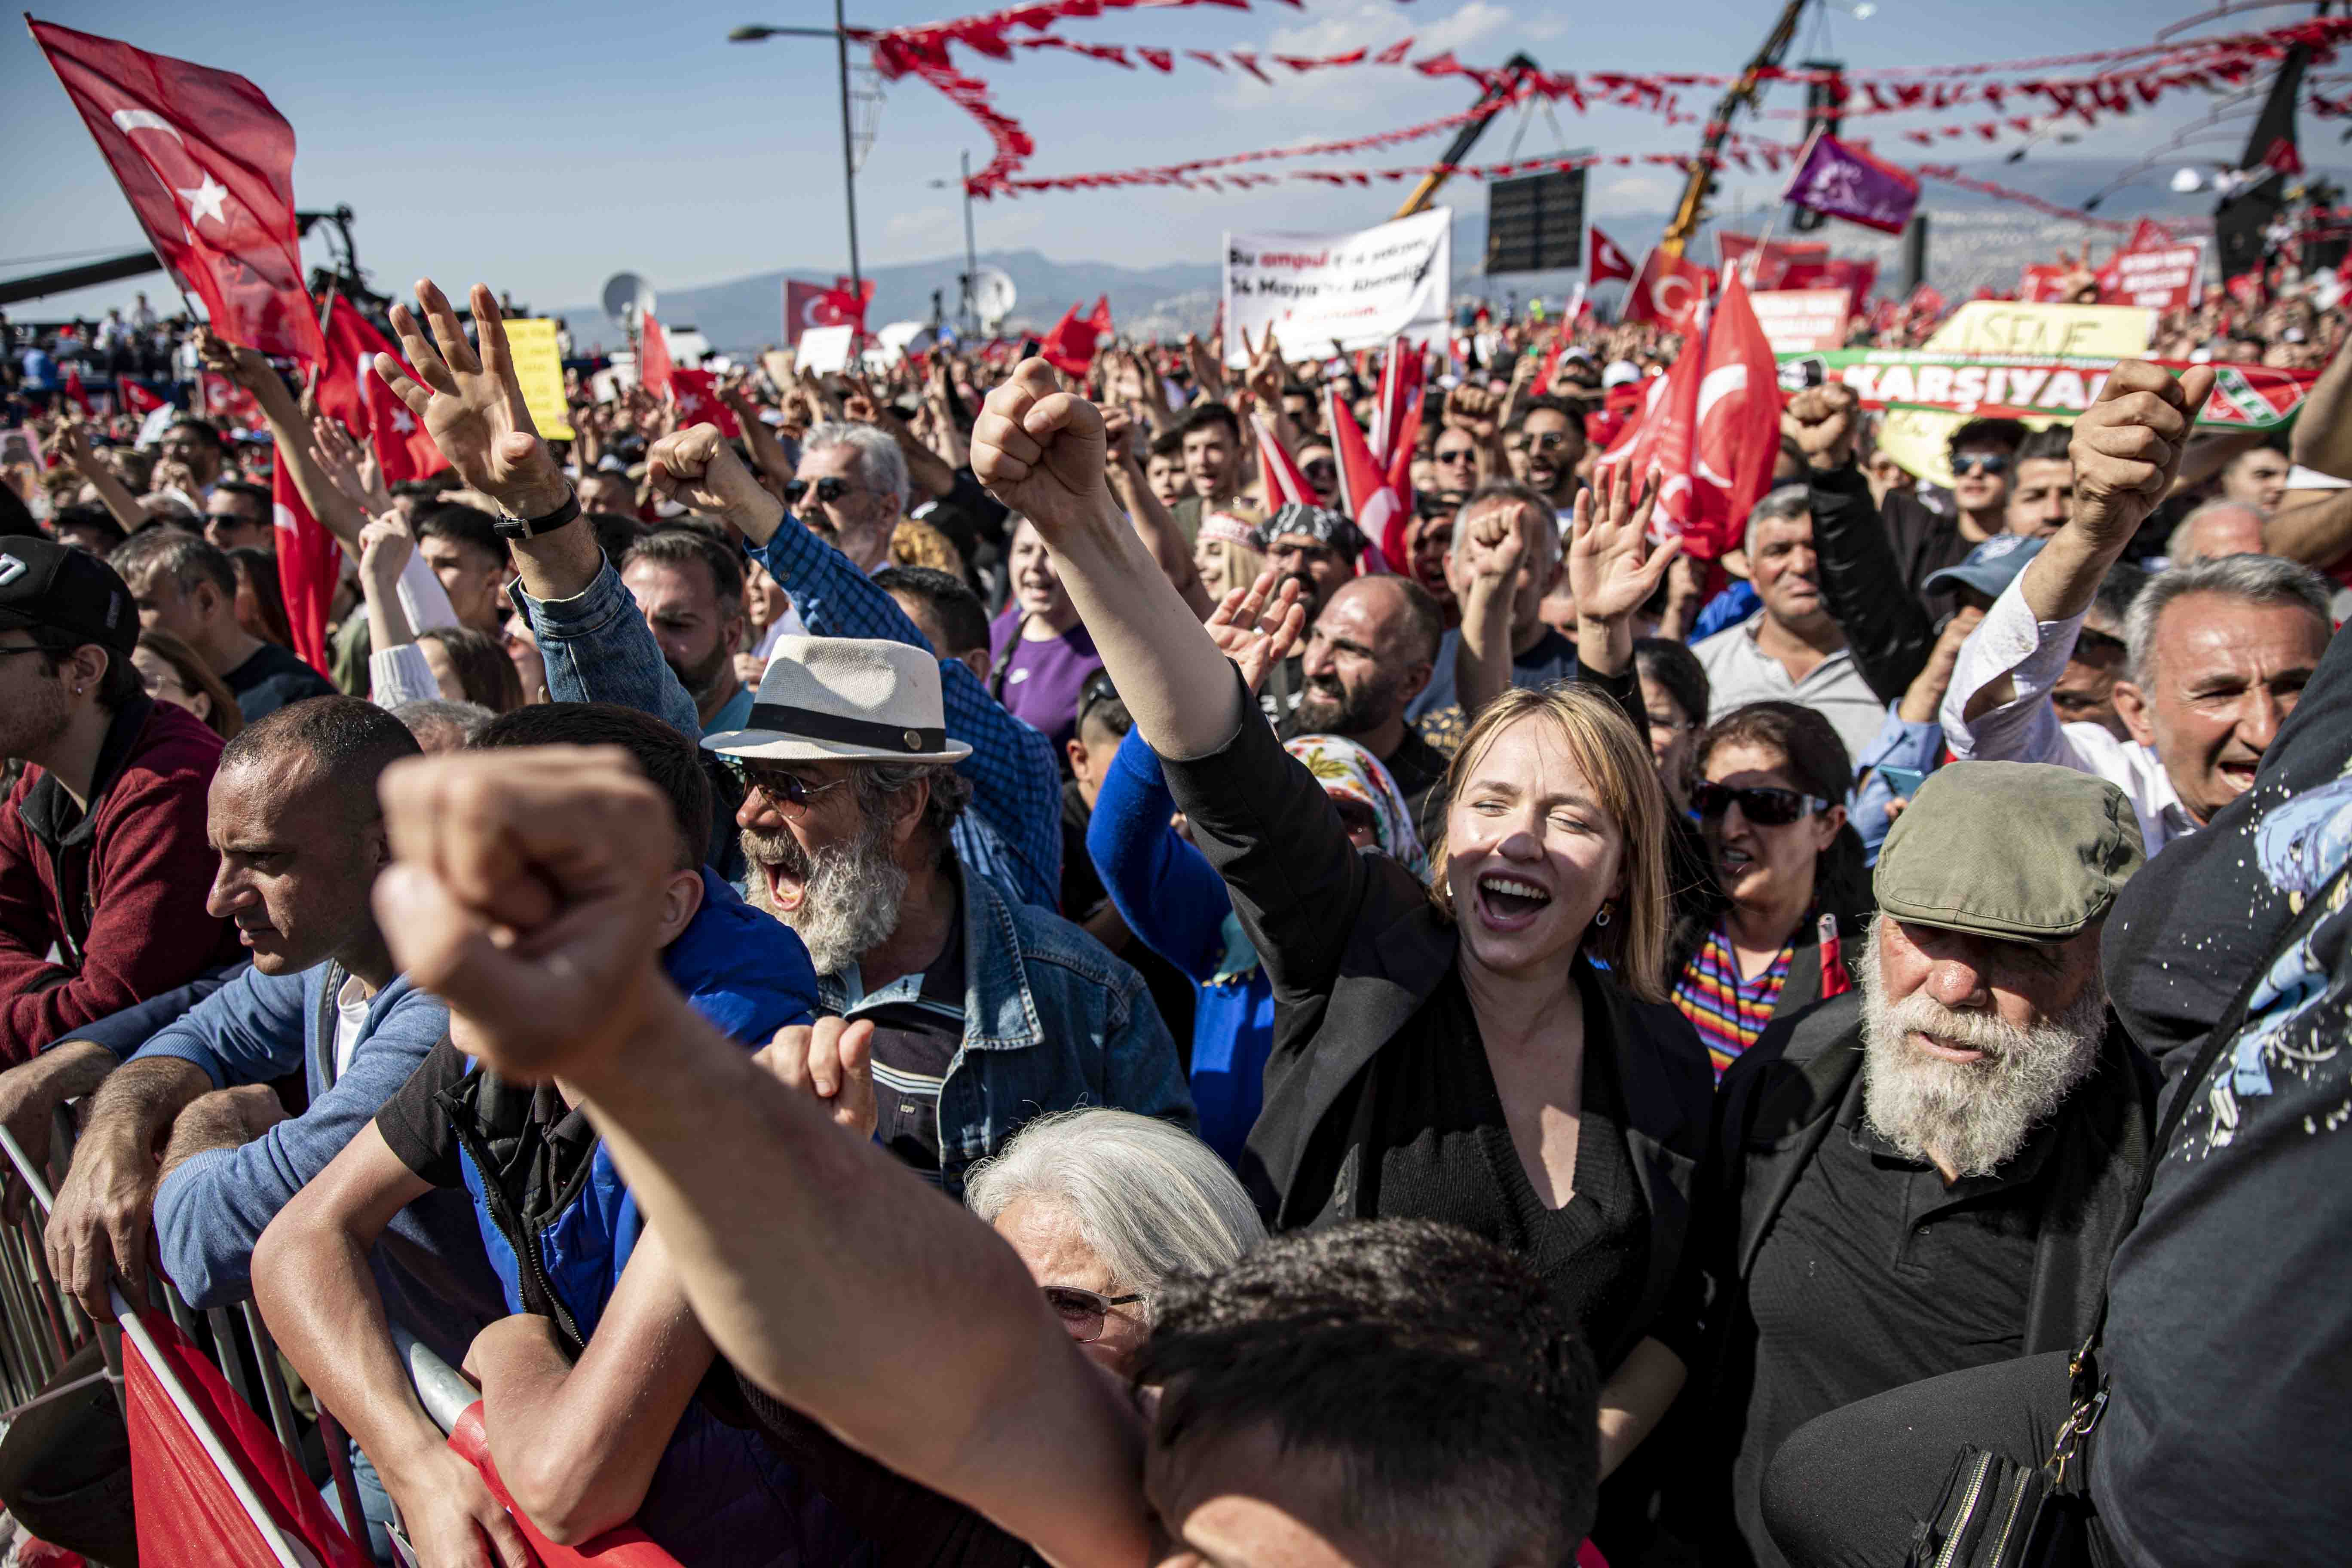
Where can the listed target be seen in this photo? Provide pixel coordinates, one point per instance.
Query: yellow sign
(538, 368)
(1920, 440)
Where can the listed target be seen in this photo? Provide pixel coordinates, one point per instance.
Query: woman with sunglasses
(1770, 793)
(1448, 1050)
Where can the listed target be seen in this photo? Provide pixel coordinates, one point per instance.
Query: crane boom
(1742, 95)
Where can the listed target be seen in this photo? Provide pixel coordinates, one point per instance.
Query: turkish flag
(654, 367)
(136, 395)
(226, 403)
(1070, 346)
(1380, 499)
(809, 305)
(695, 392)
(1711, 425)
(1669, 290)
(185, 1507)
(208, 166)
(849, 302)
(310, 559)
(76, 391)
(352, 394)
(1401, 375)
(1284, 484)
(1604, 261)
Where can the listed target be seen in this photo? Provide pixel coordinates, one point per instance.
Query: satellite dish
(628, 297)
(992, 295)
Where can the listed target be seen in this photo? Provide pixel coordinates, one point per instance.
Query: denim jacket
(1051, 1021)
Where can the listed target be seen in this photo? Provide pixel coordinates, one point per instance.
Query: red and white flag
(310, 559)
(653, 357)
(352, 394)
(1379, 498)
(208, 166)
(695, 392)
(1669, 290)
(1284, 484)
(1711, 426)
(1401, 374)
(1603, 261)
(1070, 346)
(76, 392)
(136, 395)
(809, 305)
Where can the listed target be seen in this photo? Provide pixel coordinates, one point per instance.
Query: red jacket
(118, 891)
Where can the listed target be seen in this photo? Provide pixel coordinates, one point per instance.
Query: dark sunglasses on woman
(1082, 1311)
(829, 490)
(1764, 804)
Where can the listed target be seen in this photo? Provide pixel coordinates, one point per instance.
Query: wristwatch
(510, 527)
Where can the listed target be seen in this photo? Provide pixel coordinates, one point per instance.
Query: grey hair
(1517, 494)
(950, 793)
(2249, 579)
(1777, 506)
(880, 466)
(1153, 1201)
(431, 717)
(2184, 533)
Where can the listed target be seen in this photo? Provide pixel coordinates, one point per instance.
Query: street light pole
(848, 153)
(839, 33)
(970, 253)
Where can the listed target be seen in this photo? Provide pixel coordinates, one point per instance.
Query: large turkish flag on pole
(1668, 290)
(208, 165)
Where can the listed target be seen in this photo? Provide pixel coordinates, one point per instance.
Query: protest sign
(2160, 278)
(824, 350)
(2010, 327)
(2026, 386)
(1800, 318)
(538, 370)
(1357, 290)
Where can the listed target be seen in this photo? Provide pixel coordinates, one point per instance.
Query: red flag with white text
(207, 164)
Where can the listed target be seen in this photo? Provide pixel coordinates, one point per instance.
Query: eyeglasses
(786, 790)
(1320, 471)
(1994, 463)
(1765, 805)
(828, 490)
(1098, 690)
(1082, 1311)
(1463, 456)
(1548, 440)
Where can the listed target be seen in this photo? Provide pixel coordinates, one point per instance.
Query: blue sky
(542, 148)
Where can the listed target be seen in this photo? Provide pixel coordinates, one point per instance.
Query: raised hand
(1040, 451)
(698, 469)
(1266, 372)
(2127, 447)
(1258, 625)
(385, 546)
(1611, 570)
(832, 1064)
(70, 441)
(1473, 409)
(248, 368)
(526, 892)
(1823, 421)
(351, 467)
(1490, 544)
(471, 404)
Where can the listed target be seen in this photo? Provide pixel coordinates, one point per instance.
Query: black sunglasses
(1320, 472)
(1766, 804)
(1992, 463)
(1098, 690)
(1082, 1311)
(831, 490)
(780, 787)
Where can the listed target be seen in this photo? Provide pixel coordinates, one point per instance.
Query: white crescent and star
(129, 119)
(204, 201)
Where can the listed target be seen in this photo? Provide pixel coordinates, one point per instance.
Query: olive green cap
(2019, 851)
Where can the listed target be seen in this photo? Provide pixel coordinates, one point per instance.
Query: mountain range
(1974, 240)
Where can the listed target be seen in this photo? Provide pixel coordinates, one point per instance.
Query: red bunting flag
(695, 392)
(653, 356)
(207, 164)
(1604, 261)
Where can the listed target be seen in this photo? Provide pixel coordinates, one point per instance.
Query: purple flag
(1848, 183)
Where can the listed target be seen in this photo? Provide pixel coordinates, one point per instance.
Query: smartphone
(1904, 782)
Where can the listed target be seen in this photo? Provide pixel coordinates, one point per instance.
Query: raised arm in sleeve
(598, 649)
(1166, 890)
(1887, 629)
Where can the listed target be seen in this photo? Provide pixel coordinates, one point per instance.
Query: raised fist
(2128, 446)
(1040, 451)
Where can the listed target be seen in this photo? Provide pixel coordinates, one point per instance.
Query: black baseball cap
(46, 586)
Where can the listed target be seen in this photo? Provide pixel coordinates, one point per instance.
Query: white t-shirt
(351, 1017)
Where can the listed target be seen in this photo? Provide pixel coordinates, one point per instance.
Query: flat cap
(2018, 851)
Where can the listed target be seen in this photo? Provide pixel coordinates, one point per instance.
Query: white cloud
(1639, 188)
(1368, 23)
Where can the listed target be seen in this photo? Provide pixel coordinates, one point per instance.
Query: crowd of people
(1567, 1052)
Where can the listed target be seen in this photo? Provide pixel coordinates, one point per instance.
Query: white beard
(1973, 1116)
(849, 904)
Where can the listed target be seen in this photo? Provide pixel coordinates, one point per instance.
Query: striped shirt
(1727, 1012)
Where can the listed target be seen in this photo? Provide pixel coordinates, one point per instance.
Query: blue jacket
(211, 1210)
(560, 1224)
(1176, 904)
(1051, 1021)
(1900, 744)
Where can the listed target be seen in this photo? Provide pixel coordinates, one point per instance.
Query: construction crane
(1501, 88)
(1742, 95)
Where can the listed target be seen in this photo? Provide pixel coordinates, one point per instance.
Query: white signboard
(824, 350)
(1799, 320)
(1357, 290)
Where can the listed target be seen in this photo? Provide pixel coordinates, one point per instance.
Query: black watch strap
(531, 527)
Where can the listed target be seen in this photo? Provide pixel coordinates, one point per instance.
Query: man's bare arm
(224, 1119)
(107, 1201)
(2314, 527)
(2323, 429)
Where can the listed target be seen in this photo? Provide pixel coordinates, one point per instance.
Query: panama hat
(846, 700)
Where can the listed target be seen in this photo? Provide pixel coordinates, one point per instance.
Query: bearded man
(985, 1011)
(1929, 1173)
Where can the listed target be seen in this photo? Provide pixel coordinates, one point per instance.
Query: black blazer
(1352, 947)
